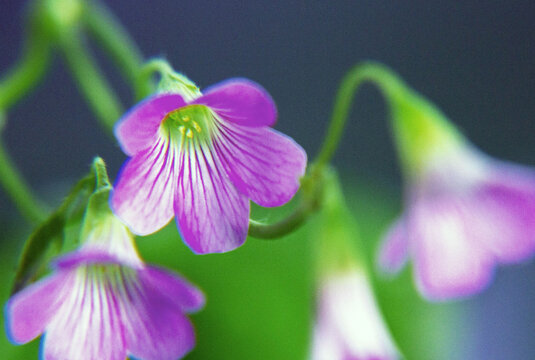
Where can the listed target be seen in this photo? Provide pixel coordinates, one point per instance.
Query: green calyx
(420, 129)
(189, 123)
(336, 231)
(98, 210)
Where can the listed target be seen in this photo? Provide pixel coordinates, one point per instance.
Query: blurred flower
(201, 158)
(349, 325)
(465, 212)
(103, 302)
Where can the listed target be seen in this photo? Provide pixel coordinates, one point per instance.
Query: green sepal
(420, 129)
(98, 208)
(335, 231)
(48, 239)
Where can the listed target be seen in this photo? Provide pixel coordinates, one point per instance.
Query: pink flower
(349, 325)
(103, 302)
(465, 214)
(201, 159)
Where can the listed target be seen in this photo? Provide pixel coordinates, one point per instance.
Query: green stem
(368, 71)
(117, 42)
(281, 228)
(15, 186)
(30, 69)
(91, 81)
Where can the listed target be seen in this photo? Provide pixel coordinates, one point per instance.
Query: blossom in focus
(349, 325)
(201, 158)
(465, 212)
(103, 302)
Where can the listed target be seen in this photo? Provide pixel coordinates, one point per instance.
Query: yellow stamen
(185, 118)
(182, 129)
(189, 133)
(196, 126)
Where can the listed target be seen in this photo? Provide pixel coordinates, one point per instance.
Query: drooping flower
(349, 325)
(103, 302)
(201, 158)
(465, 212)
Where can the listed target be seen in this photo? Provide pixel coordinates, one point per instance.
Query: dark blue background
(474, 59)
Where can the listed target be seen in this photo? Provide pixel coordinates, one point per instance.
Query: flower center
(188, 122)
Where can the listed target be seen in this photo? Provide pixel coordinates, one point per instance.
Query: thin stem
(91, 82)
(117, 42)
(281, 228)
(29, 70)
(15, 186)
(369, 71)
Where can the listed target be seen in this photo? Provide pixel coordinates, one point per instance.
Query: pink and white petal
(137, 130)
(90, 319)
(240, 101)
(212, 215)
(143, 193)
(155, 328)
(172, 286)
(262, 163)
(394, 249)
(29, 311)
(508, 209)
(448, 260)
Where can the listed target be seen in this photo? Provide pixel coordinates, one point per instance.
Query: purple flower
(465, 214)
(201, 158)
(349, 325)
(103, 302)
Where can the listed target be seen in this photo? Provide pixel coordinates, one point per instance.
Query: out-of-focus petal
(240, 101)
(449, 260)
(212, 215)
(262, 163)
(29, 311)
(349, 324)
(143, 194)
(137, 130)
(394, 249)
(507, 207)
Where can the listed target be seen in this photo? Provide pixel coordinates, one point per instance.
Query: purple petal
(179, 291)
(85, 257)
(262, 163)
(144, 191)
(212, 215)
(394, 249)
(155, 328)
(448, 259)
(88, 325)
(507, 204)
(240, 101)
(137, 130)
(29, 311)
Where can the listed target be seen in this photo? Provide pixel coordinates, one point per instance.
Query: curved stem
(281, 228)
(29, 70)
(15, 186)
(117, 42)
(369, 71)
(91, 82)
